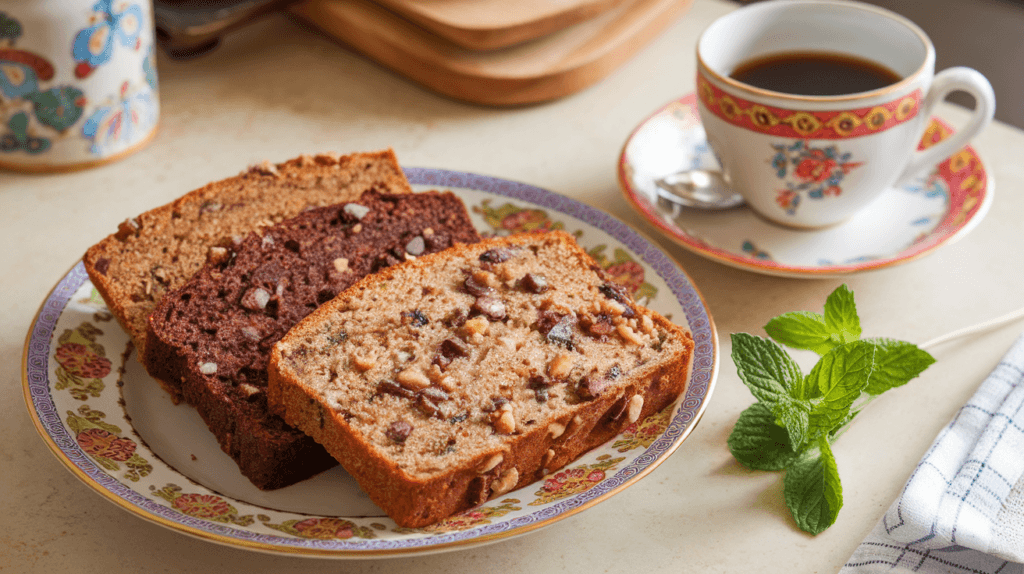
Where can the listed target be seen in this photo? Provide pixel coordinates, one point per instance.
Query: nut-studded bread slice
(459, 376)
(161, 248)
(211, 337)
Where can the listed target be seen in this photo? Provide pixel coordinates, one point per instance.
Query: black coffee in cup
(814, 74)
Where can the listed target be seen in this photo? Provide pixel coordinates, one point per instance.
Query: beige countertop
(255, 99)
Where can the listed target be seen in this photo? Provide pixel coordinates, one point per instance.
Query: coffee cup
(813, 160)
(77, 82)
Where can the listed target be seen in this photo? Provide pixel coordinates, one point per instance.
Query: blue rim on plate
(38, 369)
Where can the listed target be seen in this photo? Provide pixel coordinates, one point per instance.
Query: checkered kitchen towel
(962, 510)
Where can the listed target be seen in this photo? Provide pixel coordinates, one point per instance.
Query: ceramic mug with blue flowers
(78, 83)
(814, 161)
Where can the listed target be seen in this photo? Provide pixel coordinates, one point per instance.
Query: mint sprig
(796, 418)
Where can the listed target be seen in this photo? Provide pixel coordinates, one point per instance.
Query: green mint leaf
(794, 416)
(758, 443)
(841, 316)
(841, 375)
(812, 489)
(801, 330)
(896, 363)
(766, 368)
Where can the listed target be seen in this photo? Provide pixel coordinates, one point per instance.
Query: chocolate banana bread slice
(162, 248)
(211, 337)
(459, 376)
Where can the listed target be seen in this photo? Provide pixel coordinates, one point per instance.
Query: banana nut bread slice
(459, 376)
(212, 336)
(161, 248)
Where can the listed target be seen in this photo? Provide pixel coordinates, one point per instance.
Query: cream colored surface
(255, 99)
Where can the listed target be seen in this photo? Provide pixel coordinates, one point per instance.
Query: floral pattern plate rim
(106, 420)
(904, 224)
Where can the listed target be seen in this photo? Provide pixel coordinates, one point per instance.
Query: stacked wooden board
(483, 51)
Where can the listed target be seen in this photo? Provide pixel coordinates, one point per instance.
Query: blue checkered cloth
(962, 509)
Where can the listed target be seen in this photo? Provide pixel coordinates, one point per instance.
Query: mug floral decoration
(808, 170)
(79, 89)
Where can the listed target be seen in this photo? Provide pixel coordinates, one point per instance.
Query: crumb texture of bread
(160, 249)
(211, 338)
(455, 378)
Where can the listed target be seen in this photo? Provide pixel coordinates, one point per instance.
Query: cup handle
(952, 80)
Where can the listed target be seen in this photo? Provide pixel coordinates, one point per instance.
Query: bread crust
(162, 248)
(419, 501)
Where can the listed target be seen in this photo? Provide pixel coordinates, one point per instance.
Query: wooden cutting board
(492, 24)
(546, 68)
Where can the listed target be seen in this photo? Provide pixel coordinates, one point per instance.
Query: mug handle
(945, 82)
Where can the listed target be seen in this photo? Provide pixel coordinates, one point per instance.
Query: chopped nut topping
(505, 421)
(636, 405)
(362, 363)
(357, 228)
(628, 334)
(413, 379)
(249, 390)
(613, 308)
(435, 374)
(416, 246)
(492, 307)
(208, 368)
(560, 366)
(428, 232)
(356, 210)
(476, 287)
(477, 325)
(548, 457)
(255, 299)
(341, 265)
(217, 255)
(646, 324)
(484, 277)
(491, 462)
(265, 168)
(505, 483)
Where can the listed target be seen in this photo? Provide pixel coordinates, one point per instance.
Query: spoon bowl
(698, 189)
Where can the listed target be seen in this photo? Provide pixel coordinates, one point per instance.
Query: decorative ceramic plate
(904, 223)
(117, 431)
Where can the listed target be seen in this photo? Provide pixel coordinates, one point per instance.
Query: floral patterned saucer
(904, 223)
(118, 432)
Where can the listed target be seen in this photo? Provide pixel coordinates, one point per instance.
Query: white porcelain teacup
(78, 83)
(814, 161)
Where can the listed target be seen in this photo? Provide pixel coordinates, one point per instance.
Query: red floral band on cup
(809, 125)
